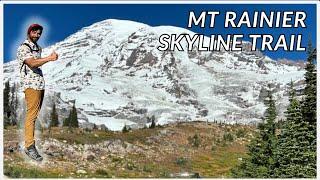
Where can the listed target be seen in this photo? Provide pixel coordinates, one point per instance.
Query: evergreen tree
(153, 123)
(6, 102)
(309, 103)
(260, 160)
(72, 119)
(269, 136)
(254, 165)
(125, 129)
(54, 117)
(13, 105)
(296, 154)
(293, 154)
(309, 46)
(66, 122)
(16, 103)
(292, 92)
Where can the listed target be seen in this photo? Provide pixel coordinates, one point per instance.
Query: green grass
(80, 136)
(181, 161)
(240, 133)
(219, 162)
(228, 137)
(77, 136)
(31, 172)
(210, 150)
(102, 173)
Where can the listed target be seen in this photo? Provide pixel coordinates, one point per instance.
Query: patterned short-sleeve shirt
(30, 77)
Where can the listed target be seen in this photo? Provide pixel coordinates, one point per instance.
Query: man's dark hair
(34, 27)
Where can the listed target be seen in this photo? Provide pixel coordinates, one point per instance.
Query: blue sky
(62, 20)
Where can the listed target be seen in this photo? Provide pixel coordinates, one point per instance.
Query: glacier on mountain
(116, 76)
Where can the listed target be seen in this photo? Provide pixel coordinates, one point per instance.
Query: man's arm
(34, 63)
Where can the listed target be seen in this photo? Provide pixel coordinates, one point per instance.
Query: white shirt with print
(30, 77)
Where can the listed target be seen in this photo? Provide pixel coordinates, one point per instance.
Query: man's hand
(53, 56)
(34, 63)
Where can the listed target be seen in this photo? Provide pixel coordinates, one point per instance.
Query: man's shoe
(32, 152)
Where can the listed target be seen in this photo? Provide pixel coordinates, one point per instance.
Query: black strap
(32, 50)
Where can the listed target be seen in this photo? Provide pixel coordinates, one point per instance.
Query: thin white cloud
(43, 41)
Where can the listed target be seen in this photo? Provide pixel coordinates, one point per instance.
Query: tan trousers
(34, 100)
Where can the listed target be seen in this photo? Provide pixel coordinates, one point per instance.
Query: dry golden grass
(170, 154)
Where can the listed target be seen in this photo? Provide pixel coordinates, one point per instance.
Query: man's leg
(34, 100)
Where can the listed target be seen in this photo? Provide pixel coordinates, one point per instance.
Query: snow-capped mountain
(114, 73)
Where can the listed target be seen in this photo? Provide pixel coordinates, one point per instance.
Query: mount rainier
(115, 75)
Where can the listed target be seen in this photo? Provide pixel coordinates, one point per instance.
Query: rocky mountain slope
(115, 75)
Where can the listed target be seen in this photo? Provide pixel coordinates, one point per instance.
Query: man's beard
(35, 39)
